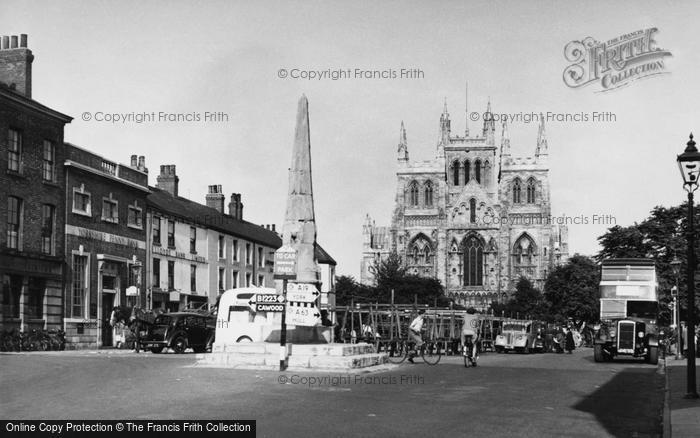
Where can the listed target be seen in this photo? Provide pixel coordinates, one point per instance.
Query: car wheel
(157, 350)
(179, 344)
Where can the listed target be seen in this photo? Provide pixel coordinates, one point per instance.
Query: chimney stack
(215, 199)
(235, 207)
(168, 180)
(16, 64)
(273, 228)
(134, 163)
(142, 164)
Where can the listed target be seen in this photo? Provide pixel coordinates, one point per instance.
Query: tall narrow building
(474, 217)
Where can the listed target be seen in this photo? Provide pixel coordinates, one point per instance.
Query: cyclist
(470, 335)
(414, 333)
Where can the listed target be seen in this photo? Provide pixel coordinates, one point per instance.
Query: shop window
(11, 293)
(35, 298)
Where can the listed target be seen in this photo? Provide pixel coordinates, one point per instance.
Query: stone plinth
(264, 355)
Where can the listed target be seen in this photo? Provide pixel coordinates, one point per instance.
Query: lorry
(629, 310)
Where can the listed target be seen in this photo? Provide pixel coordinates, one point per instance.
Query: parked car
(518, 336)
(180, 331)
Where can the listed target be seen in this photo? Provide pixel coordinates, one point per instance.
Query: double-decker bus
(629, 310)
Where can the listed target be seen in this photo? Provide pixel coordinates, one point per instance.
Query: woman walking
(570, 344)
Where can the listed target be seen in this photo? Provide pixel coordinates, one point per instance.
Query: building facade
(475, 217)
(32, 210)
(105, 247)
(197, 251)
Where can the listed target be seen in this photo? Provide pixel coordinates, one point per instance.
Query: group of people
(471, 327)
(563, 339)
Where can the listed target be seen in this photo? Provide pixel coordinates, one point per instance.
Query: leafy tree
(390, 274)
(571, 290)
(348, 290)
(527, 302)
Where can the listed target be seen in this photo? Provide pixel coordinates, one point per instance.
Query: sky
(189, 57)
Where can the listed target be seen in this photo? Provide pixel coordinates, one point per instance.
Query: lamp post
(676, 268)
(689, 165)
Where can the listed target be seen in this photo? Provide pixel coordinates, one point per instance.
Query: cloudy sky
(191, 57)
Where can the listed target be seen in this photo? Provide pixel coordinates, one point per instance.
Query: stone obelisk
(299, 229)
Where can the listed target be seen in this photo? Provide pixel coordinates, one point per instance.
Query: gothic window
(531, 191)
(428, 194)
(473, 262)
(472, 210)
(426, 254)
(516, 191)
(414, 194)
(455, 173)
(487, 171)
(477, 171)
(416, 256)
(524, 251)
(467, 168)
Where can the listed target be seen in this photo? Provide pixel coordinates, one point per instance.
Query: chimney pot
(142, 163)
(23, 40)
(13, 42)
(133, 161)
(273, 228)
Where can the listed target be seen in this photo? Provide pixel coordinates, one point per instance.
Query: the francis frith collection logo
(614, 63)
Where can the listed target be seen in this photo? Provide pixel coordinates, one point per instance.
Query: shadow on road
(630, 404)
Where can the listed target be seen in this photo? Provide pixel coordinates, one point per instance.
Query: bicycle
(468, 353)
(399, 350)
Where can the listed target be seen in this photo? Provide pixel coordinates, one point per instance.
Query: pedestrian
(136, 328)
(570, 345)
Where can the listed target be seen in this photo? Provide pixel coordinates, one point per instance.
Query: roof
(322, 256)
(628, 262)
(211, 218)
(21, 99)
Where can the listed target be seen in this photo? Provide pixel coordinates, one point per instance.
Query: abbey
(475, 217)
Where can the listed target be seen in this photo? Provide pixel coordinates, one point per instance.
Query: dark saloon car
(180, 331)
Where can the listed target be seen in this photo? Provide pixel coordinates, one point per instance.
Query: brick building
(105, 243)
(31, 197)
(197, 251)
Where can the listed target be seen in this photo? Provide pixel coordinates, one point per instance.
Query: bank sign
(614, 63)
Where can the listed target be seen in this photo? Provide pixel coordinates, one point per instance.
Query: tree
(390, 274)
(571, 290)
(348, 290)
(527, 302)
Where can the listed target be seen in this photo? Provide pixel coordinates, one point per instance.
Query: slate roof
(211, 218)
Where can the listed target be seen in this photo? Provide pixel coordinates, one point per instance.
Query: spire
(445, 125)
(403, 144)
(542, 148)
(489, 123)
(466, 109)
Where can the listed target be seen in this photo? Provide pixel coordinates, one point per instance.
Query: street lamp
(676, 268)
(689, 165)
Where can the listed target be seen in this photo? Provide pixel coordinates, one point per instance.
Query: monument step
(307, 362)
(295, 349)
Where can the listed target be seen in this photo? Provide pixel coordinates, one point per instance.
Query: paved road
(506, 395)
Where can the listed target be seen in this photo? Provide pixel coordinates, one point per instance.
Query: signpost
(285, 269)
(300, 315)
(302, 293)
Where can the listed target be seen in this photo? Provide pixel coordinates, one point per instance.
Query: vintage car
(520, 336)
(180, 331)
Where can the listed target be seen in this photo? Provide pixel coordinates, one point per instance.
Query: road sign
(297, 314)
(269, 307)
(267, 303)
(302, 292)
(285, 263)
